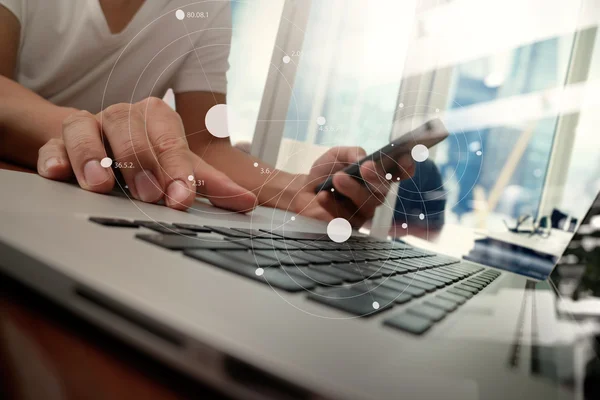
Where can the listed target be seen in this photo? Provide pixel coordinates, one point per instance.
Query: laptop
(260, 306)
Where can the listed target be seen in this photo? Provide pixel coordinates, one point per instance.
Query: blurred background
(517, 84)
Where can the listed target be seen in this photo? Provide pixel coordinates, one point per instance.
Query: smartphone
(429, 134)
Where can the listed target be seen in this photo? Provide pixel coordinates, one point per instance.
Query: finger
(363, 198)
(167, 136)
(406, 166)
(340, 208)
(375, 177)
(125, 130)
(220, 189)
(53, 161)
(81, 136)
(336, 159)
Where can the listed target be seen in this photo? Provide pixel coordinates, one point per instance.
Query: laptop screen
(577, 274)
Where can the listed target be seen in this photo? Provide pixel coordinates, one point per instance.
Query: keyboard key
(400, 287)
(274, 277)
(446, 305)
(176, 242)
(115, 222)
(313, 274)
(460, 292)
(282, 257)
(250, 244)
(359, 269)
(256, 234)
(452, 297)
(483, 281)
(412, 282)
(474, 284)
(312, 258)
(329, 255)
(451, 278)
(438, 278)
(389, 294)
(347, 276)
(416, 276)
(409, 323)
(351, 301)
(165, 229)
(285, 245)
(191, 227)
(299, 235)
(468, 288)
(423, 310)
(227, 231)
(251, 259)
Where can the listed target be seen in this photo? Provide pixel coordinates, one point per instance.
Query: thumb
(220, 189)
(336, 159)
(53, 161)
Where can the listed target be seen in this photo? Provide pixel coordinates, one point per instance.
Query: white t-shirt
(68, 55)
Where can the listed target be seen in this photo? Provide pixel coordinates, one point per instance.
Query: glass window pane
(255, 24)
(348, 77)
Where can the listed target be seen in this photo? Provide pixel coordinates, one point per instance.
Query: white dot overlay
(259, 271)
(388, 176)
(332, 190)
(420, 153)
(255, 164)
(106, 162)
(474, 146)
(293, 218)
(376, 305)
(217, 121)
(286, 59)
(191, 178)
(401, 105)
(339, 230)
(421, 216)
(180, 15)
(479, 153)
(404, 225)
(321, 120)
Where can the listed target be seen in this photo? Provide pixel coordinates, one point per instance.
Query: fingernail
(94, 173)
(51, 163)
(177, 193)
(147, 187)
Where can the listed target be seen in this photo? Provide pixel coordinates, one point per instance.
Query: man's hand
(360, 199)
(148, 143)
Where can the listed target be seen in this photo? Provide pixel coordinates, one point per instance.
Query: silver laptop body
(249, 339)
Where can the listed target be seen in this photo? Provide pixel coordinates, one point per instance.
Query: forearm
(27, 122)
(274, 188)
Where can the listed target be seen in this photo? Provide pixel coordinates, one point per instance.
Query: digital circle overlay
(339, 230)
(216, 120)
(419, 153)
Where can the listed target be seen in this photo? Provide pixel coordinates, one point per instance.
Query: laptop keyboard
(363, 276)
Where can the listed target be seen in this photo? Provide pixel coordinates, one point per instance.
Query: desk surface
(45, 352)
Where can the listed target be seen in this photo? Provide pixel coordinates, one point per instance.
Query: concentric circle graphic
(338, 231)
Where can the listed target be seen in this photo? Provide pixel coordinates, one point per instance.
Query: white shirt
(68, 55)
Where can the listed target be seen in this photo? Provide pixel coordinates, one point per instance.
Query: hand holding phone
(429, 134)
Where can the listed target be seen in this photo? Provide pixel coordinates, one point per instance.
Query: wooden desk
(47, 353)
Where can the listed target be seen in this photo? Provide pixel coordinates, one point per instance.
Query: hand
(361, 199)
(148, 143)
